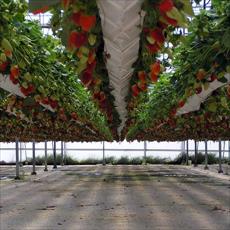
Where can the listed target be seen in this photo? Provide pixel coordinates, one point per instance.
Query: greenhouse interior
(114, 114)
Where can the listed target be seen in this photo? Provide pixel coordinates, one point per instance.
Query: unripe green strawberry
(6, 45)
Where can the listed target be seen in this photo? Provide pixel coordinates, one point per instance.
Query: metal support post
(220, 160)
(195, 157)
(62, 153)
(55, 157)
(206, 154)
(229, 152)
(187, 150)
(103, 145)
(46, 168)
(145, 155)
(33, 150)
(17, 177)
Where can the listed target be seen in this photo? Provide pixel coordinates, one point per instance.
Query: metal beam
(195, 156)
(145, 156)
(17, 177)
(46, 168)
(34, 160)
(220, 160)
(103, 148)
(206, 155)
(62, 153)
(187, 152)
(55, 156)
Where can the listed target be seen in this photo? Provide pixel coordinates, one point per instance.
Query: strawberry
(173, 112)
(74, 115)
(14, 70)
(76, 39)
(169, 20)
(135, 90)
(165, 5)
(156, 68)
(213, 77)
(87, 22)
(142, 86)
(76, 18)
(53, 103)
(41, 10)
(3, 66)
(181, 103)
(153, 77)
(201, 73)
(157, 35)
(66, 3)
(13, 79)
(198, 90)
(87, 78)
(153, 48)
(142, 76)
(45, 101)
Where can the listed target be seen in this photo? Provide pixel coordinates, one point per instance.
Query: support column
(103, 145)
(20, 159)
(45, 169)
(220, 160)
(187, 152)
(33, 150)
(195, 157)
(62, 154)
(17, 177)
(206, 154)
(228, 152)
(145, 155)
(55, 156)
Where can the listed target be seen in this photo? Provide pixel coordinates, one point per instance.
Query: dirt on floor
(115, 197)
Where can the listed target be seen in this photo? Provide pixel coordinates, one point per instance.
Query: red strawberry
(198, 90)
(45, 101)
(66, 3)
(87, 78)
(53, 103)
(181, 103)
(41, 10)
(135, 90)
(14, 70)
(156, 68)
(157, 35)
(153, 48)
(165, 5)
(173, 112)
(153, 77)
(213, 77)
(87, 22)
(142, 76)
(76, 40)
(92, 66)
(76, 18)
(3, 66)
(169, 20)
(201, 73)
(13, 79)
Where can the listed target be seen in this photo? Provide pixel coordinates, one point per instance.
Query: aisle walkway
(116, 197)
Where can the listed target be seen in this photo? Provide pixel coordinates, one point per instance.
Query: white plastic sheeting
(121, 22)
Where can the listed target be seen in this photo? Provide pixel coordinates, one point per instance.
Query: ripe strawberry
(13, 79)
(41, 10)
(165, 5)
(169, 20)
(87, 22)
(14, 70)
(135, 90)
(3, 66)
(153, 48)
(198, 90)
(76, 18)
(181, 103)
(87, 78)
(77, 39)
(155, 68)
(213, 77)
(153, 77)
(157, 35)
(142, 76)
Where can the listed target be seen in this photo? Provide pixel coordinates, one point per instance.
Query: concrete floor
(114, 198)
